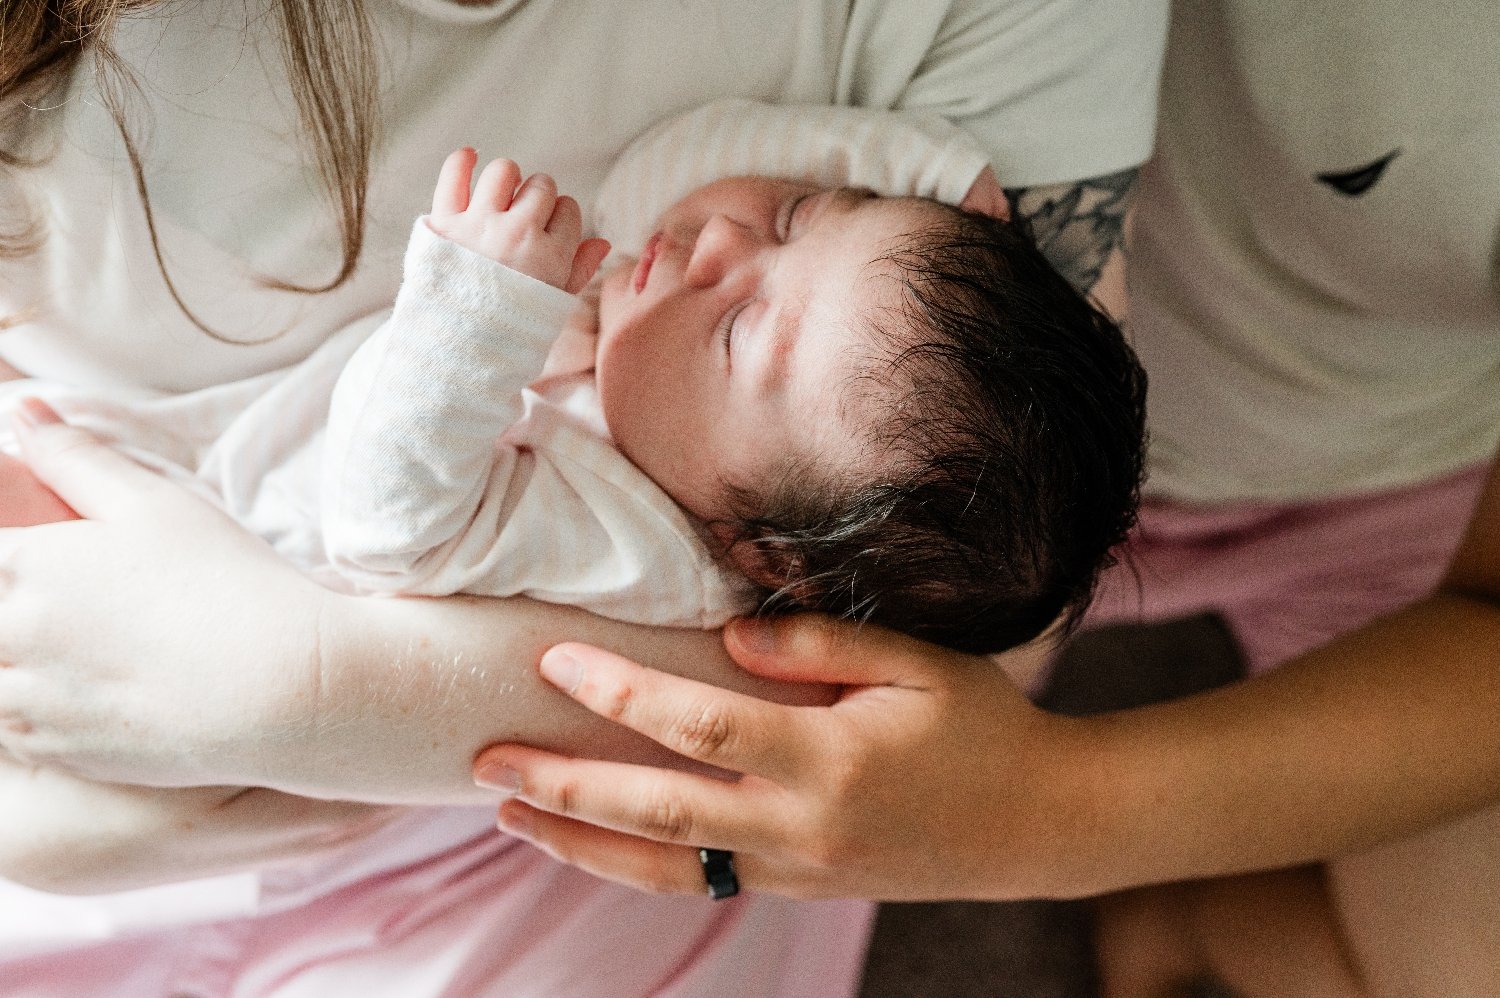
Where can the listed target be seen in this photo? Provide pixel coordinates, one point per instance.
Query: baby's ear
(765, 562)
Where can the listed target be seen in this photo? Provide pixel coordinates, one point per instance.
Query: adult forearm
(411, 689)
(1385, 731)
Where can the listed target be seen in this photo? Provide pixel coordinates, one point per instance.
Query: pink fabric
(1287, 578)
(493, 917)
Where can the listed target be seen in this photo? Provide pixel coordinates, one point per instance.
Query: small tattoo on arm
(1076, 225)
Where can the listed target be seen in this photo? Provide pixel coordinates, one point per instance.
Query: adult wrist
(1092, 794)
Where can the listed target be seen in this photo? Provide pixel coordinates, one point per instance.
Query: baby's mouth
(643, 266)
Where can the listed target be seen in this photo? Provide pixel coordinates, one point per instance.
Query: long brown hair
(329, 52)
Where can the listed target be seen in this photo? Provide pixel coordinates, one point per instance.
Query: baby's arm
(411, 463)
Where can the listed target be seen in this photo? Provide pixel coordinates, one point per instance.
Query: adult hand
(153, 641)
(69, 835)
(930, 777)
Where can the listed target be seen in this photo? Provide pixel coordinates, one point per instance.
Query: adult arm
(932, 777)
(206, 660)
(1062, 95)
(1079, 226)
(68, 835)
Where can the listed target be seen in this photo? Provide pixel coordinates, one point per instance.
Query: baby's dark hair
(1007, 471)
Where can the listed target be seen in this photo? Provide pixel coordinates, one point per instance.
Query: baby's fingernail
(498, 776)
(562, 670)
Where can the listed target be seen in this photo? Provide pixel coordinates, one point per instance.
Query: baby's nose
(721, 245)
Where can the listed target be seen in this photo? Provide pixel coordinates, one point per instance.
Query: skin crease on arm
(1333, 752)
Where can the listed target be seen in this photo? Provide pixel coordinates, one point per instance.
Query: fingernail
(756, 635)
(562, 670)
(33, 412)
(498, 776)
(516, 821)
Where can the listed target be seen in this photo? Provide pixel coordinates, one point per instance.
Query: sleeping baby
(812, 386)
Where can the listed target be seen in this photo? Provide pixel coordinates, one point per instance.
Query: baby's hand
(525, 226)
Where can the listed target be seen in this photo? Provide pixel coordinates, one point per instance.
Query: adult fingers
(812, 648)
(702, 722)
(591, 253)
(451, 195)
(625, 859)
(93, 479)
(496, 186)
(639, 800)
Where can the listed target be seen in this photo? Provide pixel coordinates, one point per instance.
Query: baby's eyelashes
(788, 221)
(727, 327)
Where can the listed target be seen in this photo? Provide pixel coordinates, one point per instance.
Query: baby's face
(729, 344)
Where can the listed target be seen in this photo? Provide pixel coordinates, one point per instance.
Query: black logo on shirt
(1360, 179)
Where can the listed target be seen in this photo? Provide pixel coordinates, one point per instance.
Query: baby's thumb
(90, 477)
(586, 261)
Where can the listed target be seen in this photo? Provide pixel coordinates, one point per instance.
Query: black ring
(718, 873)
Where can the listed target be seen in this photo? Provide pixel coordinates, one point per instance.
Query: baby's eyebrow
(851, 199)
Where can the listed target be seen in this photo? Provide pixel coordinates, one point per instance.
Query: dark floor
(1041, 949)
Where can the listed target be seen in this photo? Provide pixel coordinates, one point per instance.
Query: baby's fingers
(567, 220)
(451, 195)
(496, 187)
(537, 198)
(586, 261)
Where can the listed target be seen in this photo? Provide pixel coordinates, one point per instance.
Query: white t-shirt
(1054, 90)
(1312, 337)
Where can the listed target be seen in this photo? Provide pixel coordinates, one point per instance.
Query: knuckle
(704, 732)
(564, 798)
(666, 817)
(614, 700)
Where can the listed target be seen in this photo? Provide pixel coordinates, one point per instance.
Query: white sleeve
(1053, 90)
(890, 153)
(412, 453)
